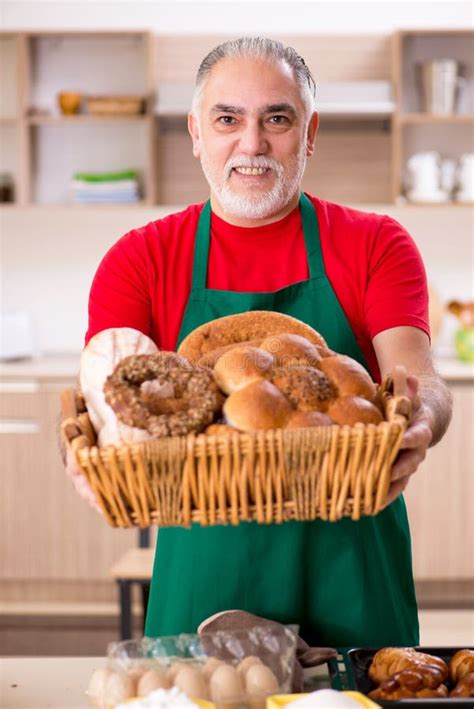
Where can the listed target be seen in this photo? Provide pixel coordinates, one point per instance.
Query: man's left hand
(415, 443)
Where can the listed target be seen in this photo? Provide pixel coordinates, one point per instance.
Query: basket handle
(68, 404)
(397, 403)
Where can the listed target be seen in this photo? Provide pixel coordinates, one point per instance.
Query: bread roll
(350, 377)
(307, 388)
(461, 663)
(240, 366)
(349, 410)
(290, 350)
(308, 419)
(219, 429)
(234, 329)
(259, 405)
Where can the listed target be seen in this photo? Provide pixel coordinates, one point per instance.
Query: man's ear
(193, 128)
(311, 133)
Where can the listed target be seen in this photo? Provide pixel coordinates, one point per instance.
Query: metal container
(440, 83)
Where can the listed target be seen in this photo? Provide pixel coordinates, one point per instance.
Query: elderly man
(260, 244)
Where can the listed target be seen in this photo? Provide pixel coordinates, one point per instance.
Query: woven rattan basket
(326, 472)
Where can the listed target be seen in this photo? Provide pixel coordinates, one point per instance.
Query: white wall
(49, 257)
(236, 17)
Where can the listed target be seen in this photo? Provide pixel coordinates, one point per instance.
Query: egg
(118, 687)
(97, 682)
(153, 679)
(260, 681)
(246, 663)
(226, 685)
(211, 664)
(190, 680)
(173, 670)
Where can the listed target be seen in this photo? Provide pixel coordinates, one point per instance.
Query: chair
(134, 567)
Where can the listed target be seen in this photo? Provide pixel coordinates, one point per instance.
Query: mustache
(257, 161)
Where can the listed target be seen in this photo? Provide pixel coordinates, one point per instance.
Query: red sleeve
(120, 292)
(397, 292)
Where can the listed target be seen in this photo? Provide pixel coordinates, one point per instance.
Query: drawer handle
(19, 427)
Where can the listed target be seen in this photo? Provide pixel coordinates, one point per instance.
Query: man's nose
(252, 139)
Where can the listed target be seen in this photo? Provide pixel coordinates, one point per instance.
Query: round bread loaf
(289, 350)
(240, 366)
(349, 410)
(308, 419)
(350, 377)
(235, 329)
(307, 388)
(259, 405)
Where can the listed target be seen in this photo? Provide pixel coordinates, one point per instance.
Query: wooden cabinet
(50, 539)
(415, 128)
(51, 146)
(440, 498)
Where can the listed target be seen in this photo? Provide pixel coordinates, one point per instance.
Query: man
(355, 277)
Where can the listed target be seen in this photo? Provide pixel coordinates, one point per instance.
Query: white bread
(257, 406)
(98, 360)
(349, 377)
(240, 366)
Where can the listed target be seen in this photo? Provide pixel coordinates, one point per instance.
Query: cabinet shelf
(423, 118)
(86, 118)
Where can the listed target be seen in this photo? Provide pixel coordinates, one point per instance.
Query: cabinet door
(440, 498)
(48, 531)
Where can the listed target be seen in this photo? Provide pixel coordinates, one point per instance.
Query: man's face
(252, 137)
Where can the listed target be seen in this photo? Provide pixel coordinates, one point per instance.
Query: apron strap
(311, 236)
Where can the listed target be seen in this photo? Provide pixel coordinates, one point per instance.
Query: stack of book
(105, 187)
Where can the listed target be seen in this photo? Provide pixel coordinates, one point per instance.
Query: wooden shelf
(421, 118)
(84, 118)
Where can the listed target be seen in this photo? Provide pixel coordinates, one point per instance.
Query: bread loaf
(257, 406)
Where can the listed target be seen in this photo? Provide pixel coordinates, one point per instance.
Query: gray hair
(260, 48)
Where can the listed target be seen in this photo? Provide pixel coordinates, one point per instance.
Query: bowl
(69, 102)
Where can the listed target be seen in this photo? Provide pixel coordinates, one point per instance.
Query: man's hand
(79, 481)
(415, 443)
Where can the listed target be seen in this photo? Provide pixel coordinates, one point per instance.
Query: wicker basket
(328, 472)
(114, 105)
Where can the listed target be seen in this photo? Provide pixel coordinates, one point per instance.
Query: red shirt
(372, 263)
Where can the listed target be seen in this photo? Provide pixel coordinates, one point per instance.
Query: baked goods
(189, 406)
(307, 388)
(98, 360)
(308, 419)
(461, 664)
(349, 410)
(390, 660)
(350, 377)
(465, 686)
(259, 405)
(240, 366)
(235, 329)
(289, 350)
(409, 683)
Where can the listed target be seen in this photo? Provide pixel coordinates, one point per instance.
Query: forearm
(437, 402)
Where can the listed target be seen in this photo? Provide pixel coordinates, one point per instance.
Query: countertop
(51, 367)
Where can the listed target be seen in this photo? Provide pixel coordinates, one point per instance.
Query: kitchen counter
(67, 367)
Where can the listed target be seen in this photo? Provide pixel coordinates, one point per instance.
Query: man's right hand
(79, 481)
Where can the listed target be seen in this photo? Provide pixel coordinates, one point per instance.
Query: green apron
(345, 583)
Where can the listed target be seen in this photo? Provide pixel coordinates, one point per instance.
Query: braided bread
(390, 660)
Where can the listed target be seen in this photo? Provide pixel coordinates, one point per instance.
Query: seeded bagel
(234, 329)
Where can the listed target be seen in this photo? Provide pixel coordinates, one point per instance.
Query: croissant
(460, 664)
(465, 686)
(390, 660)
(407, 684)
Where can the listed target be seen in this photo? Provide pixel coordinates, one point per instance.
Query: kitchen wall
(49, 257)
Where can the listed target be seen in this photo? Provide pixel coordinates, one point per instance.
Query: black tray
(349, 670)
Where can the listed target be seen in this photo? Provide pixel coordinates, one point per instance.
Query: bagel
(240, 366)
(350, 377)
(257, 406)
(307, 388)
(194, 402)
(235, 329)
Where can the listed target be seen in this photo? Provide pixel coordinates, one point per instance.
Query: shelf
(86, 118)
(424, 118)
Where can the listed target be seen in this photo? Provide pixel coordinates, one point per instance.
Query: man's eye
(226, 120)
(278, 120)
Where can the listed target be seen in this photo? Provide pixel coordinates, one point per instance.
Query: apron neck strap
(311, 236)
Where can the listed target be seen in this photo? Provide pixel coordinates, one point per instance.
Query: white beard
(260, 205)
